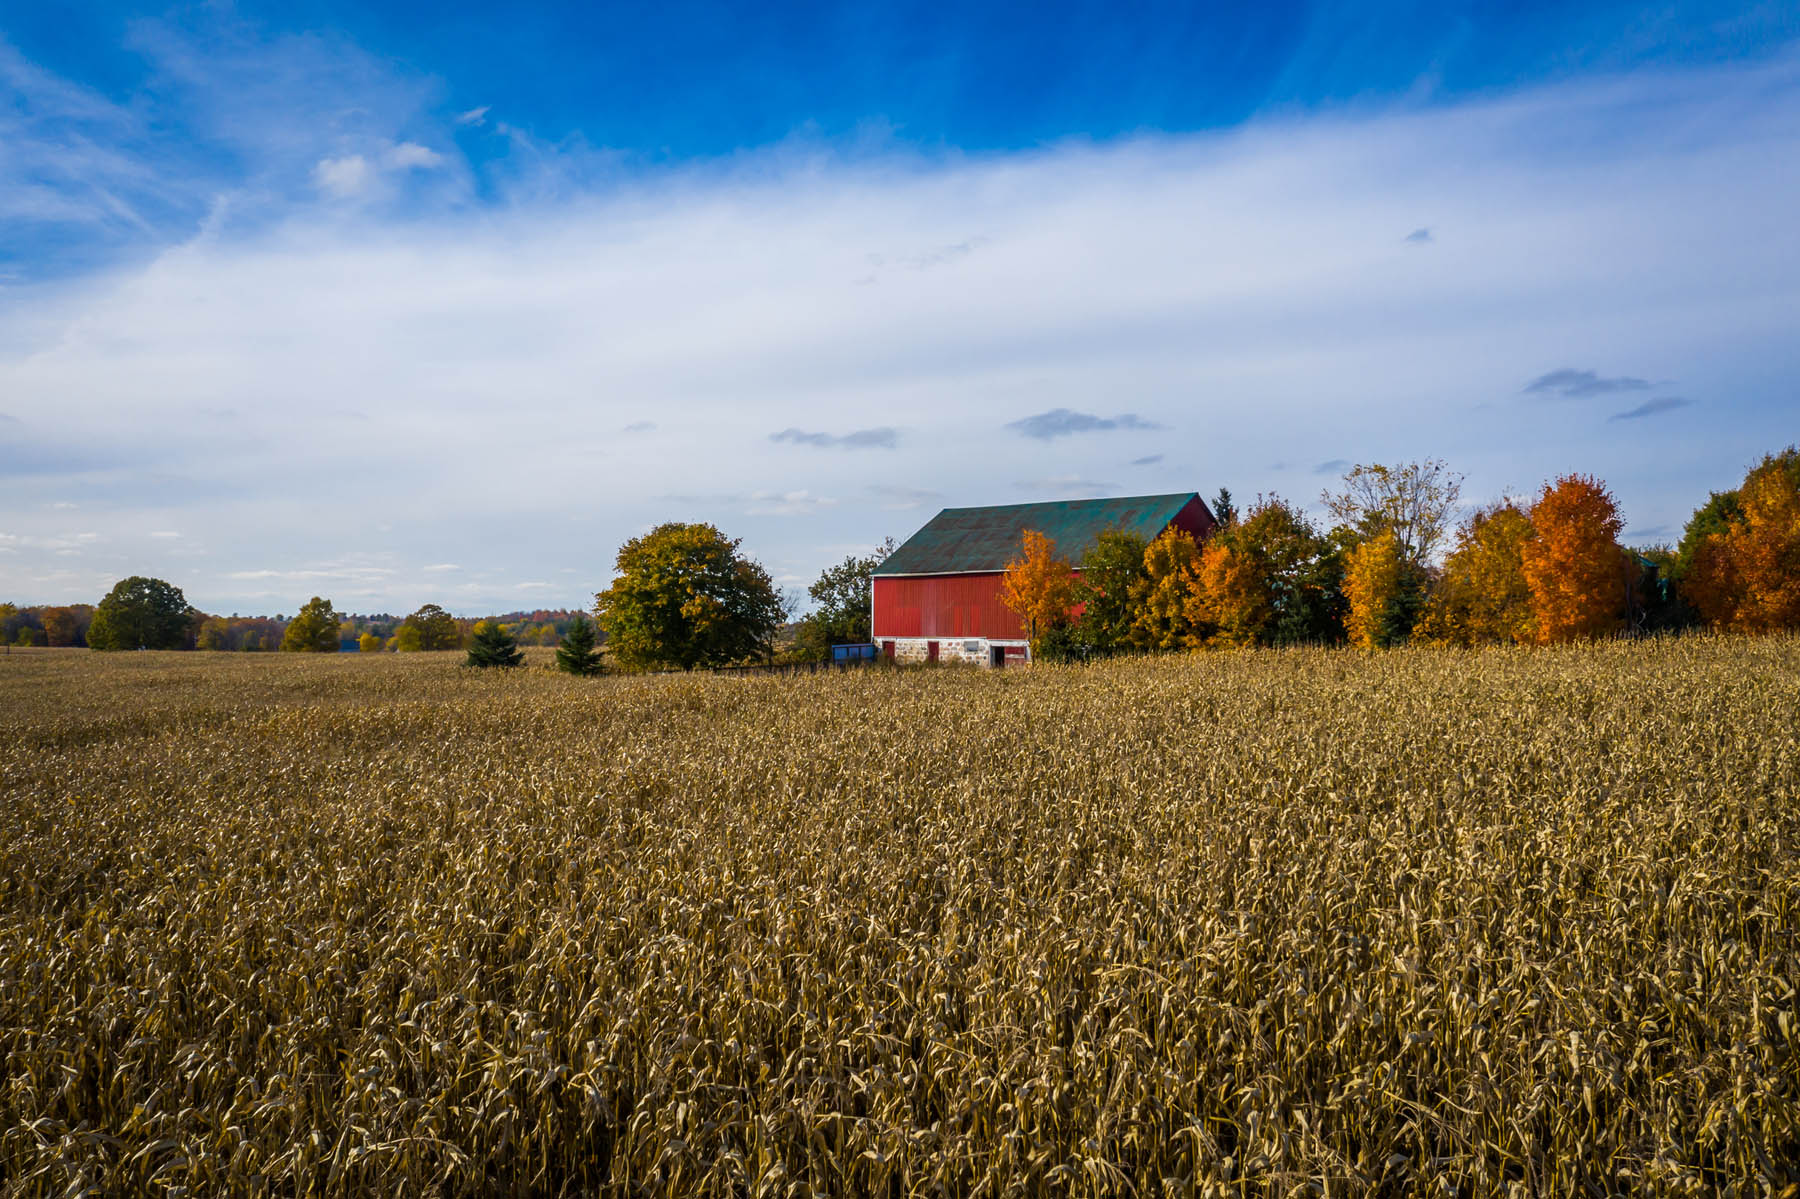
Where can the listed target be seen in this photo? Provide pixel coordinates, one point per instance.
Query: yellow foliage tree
(1482, 597)
(314, 629)
(1161, 598)
(369, 643)
(1374, 579)
(1038, 585)
(1231, 595)
(1747, 576)
(1574, 566)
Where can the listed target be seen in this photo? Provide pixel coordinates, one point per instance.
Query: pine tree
(493, 646)
(576, 654)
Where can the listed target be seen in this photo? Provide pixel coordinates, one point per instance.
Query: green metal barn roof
(959, 540)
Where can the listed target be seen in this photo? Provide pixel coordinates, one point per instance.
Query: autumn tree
(141, 613)
(369, 643)
(1375, 587)
(1039, 585)
(1162, 615)
(493, 646)
(431, 628)
(314, 629)
(60, 627)
(1230, 595)
(1481, 596)
(1273, 580)
(1573, 565)
(1416, 502)
(577, 654)
(214, 635)
(1743, 569)
(685, 597)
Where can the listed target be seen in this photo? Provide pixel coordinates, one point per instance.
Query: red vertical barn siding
(943, 606)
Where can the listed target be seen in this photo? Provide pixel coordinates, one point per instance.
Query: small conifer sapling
(493, 646)
(576, 654)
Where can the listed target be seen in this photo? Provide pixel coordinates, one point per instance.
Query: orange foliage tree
(1574, 566)
(1163, 619)
(1374, 582)
(1039, 585)
(1482, 597)
(1747, 575)
(1231, 595)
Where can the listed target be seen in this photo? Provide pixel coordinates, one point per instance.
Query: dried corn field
(1266, 924)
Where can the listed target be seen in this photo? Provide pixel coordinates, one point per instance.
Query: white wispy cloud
(343, 177)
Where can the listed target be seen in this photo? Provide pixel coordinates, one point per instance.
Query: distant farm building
(937, 597)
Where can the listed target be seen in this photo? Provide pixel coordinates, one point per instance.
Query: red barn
(937, 597)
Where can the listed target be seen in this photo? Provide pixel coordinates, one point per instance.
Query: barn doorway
(997, 656)
(931, 651)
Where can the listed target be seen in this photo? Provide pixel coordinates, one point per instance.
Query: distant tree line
(1394, 565)
(1541, 571)
(47, 625)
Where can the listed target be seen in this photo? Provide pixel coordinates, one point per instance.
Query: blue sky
(422, 302)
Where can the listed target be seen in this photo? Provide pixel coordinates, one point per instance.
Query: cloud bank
(1231, 299)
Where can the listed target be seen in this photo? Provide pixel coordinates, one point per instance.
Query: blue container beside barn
(843, 655)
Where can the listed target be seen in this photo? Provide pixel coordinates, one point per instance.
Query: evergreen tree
(493, 646)
(576, 654)
(1223, 509)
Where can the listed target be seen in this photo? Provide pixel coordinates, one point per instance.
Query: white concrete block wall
(962, 651)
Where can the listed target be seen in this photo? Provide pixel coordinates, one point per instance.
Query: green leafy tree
(492, 645)
(432, 629)
(1302, 568)
(686, 597)
(314, 629)
(842, 595)
(577, 653)
(141, 613)
(1111, 572)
